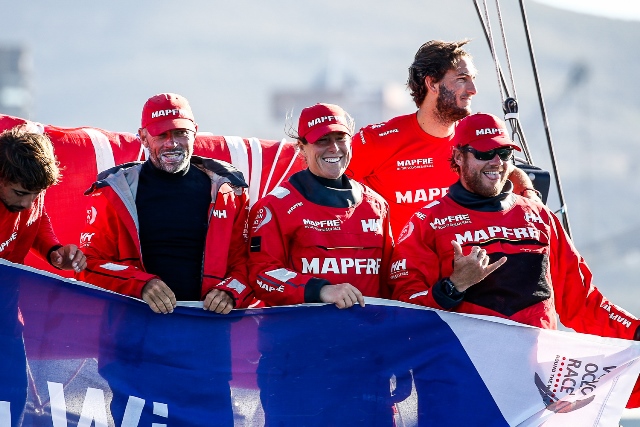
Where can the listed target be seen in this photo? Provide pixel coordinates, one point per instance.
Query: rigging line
(501, 80)
(513, 122)
(506, 50)
(492, 46)
(565, 216)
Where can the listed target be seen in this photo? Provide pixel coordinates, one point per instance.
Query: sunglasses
(504, 153)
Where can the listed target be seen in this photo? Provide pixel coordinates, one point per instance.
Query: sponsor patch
(279, 192)
(406, 231)
(114, 267)
(262, 217)
(281, 274)
(91, 215)
(235, 285)
(418, 294)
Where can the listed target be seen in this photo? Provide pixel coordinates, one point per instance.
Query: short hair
(433, 59)
(27, 158)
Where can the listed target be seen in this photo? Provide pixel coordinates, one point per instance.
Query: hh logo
(219, 213)
(372, 225)
(85, 239)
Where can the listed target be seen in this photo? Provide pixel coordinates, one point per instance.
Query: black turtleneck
(172, 213)
(335, 193)
(474, 201)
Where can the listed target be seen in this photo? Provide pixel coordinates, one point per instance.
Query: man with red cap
(173, 208)
(170, 229)
(482, 249)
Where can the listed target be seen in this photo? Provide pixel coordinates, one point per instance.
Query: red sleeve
(387, 253)
(45, 238)
(236, 278)
(415, 265)
(579, 303)
(270, 274)
(113, 258)
(363, 158)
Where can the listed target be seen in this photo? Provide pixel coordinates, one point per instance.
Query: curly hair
(433, 59)
(27, 158)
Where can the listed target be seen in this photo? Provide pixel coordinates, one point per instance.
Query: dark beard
(447, 109)
(473, 182)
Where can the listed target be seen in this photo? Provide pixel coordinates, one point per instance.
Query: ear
(142, 133)
(300, 146)
(458, 157)
(431, 84)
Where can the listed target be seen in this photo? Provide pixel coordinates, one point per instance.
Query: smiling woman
(319, 237)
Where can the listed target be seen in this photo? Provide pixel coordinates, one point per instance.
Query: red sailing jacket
(405, 165)
(544, 273)
(111, 242)
(28, 230)
(296, 243)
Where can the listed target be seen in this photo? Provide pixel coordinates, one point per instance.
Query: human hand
(218, 301)
(68, 257)
(471, 269)
(159, 296)
(343, 295)
(532, 194)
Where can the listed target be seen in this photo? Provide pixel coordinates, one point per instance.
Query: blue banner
(76, 355)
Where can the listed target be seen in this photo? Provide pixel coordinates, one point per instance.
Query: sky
(617, 9)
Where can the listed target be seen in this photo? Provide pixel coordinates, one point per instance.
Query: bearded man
(186, 214)
(405, 159)
(482, 249)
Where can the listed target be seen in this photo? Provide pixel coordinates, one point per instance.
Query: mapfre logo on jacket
(340, 265)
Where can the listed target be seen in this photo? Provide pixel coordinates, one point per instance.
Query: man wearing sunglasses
(405, 159)
(483, 249)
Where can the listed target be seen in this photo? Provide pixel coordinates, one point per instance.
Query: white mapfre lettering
(322, 225)
(323, 119)
(451, 220)
(493, 232)
(421, 195)
(489, 131)
(168, 112)
(388, 132)
(340, 265)
(292, 208)
(270, 288)
(11, 238)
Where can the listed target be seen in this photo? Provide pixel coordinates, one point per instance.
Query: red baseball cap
(483, 132)
(167, 111)
(320, 119)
